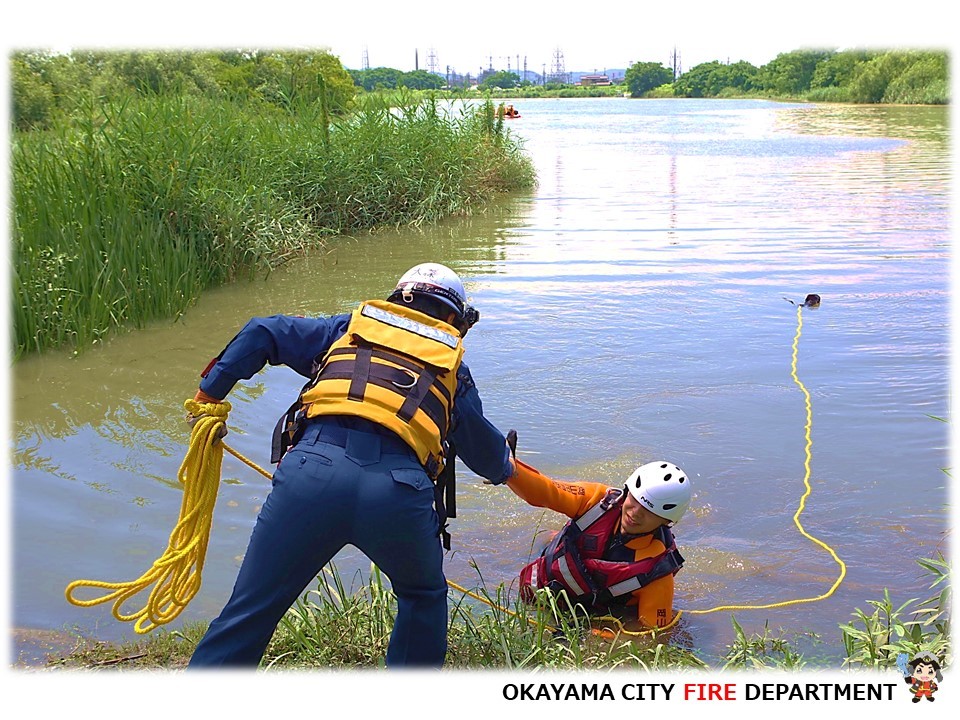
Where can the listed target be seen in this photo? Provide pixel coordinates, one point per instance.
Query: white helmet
(440, 282)
(662, 488)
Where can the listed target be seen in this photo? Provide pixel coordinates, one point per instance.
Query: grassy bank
(332, 627)
(127, 209)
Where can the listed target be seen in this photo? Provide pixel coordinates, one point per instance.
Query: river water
(634, 307)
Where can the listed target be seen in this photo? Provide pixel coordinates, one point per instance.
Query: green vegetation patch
(332, 626)
(128, 205)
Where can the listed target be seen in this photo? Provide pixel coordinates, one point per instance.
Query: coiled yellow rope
(176, 575)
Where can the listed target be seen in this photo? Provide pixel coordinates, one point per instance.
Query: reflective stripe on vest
(391, 318)
(563, 565)
(397, 367)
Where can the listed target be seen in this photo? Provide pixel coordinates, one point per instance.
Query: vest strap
(392, 379)
(667, 565)
(416, 395)
(361, 372)
(284, 433)
(394, 357)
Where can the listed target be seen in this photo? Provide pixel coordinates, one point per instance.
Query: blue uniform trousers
(339, 486)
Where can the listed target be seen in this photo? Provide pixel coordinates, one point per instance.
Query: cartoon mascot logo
(922, 674)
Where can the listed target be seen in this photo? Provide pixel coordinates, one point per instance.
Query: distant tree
(837, 69)
(702, 80)
(898, 71)
(33, 99)
(421, 80)
(791, 73)
(923, 79)
(157, 71)
(739, 77)
(380, 77)
(500, 79)
(234, 72)
(642, 77)
(302, 76)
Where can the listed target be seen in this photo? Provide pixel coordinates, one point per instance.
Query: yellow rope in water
(803, 498)
(796, 518)
(176, 575)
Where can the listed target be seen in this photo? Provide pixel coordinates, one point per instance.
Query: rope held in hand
(176, 575)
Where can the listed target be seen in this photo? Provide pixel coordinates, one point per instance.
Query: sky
(469, 36)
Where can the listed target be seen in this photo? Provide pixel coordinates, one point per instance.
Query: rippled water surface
(633, 307)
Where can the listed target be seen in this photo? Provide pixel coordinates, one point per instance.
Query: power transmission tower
(675, 63)
(365, 62)
(432, 63)
(558, 72)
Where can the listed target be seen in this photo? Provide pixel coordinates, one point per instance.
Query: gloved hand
(219, 433)
(193, 417)
(512, 444)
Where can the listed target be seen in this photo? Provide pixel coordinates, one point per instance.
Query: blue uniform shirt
(297, 341)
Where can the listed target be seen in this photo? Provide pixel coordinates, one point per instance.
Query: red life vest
(574, 562)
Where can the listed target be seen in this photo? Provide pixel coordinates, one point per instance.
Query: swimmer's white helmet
(662, 488)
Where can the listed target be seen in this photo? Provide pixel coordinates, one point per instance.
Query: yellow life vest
(397, 367)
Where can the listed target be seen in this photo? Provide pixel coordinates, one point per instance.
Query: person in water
(365, 452)
(617, 551)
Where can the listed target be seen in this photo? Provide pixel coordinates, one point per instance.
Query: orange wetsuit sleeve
(655, 602)
(570, 498)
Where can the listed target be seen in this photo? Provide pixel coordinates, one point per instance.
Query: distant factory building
(595, 80)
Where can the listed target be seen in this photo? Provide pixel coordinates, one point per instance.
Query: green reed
(127, 210)
(875, 640)
(334, 626)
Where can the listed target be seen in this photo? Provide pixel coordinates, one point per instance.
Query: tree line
(48, 85)
(855, 76)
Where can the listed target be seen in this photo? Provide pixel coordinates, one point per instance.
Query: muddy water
(632, 308)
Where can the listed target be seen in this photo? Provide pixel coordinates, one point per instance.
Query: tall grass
(334, 626)
(126, 211)
(874, 640)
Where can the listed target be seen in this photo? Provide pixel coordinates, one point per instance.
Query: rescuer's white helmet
(439, 282)
(662, 488)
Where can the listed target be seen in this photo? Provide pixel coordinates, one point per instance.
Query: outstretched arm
(570, 498)
(278, 340)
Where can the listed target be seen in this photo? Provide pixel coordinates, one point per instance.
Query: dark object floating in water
(811, 301)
